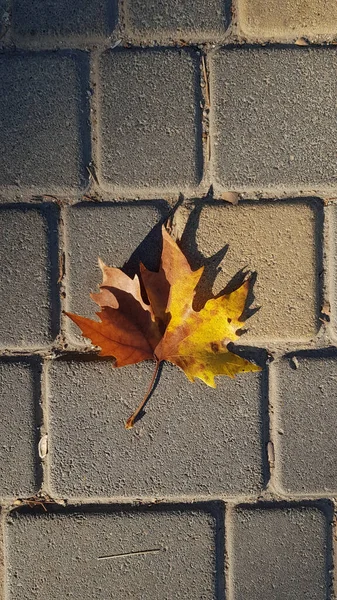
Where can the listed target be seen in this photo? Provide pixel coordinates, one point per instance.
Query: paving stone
(175, 555)
(193, 439)
(273, 19)
(43, 121)
(280, 554)
(150, 132)
(19, 390)
(277, 239)
(306, 417)
(28, 258)
(177, 19)
(112, 232)
(274, 115)
(63, 17)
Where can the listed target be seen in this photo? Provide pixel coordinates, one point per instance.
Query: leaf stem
(131, 421)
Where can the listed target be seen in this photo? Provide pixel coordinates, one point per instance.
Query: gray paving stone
(112, 232)
(177, 19)
(274, 115)
(193, 439)
(28, 259)
(280, 554)
(149, 125)
(44, 140)
(63, 17)
(306, 418)
(183, 563)
(19, 391)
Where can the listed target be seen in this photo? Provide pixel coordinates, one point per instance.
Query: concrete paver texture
(117, 117)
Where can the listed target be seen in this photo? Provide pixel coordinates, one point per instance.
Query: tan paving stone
(289, 18)
(277, 240)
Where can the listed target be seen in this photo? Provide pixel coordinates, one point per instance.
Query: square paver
(274, 115)
(193, 439)
(280, 554)
(44, 140)
(118, 234)
(19, 397)
(178, 19)
(273, 19)
(278, 241)
(28, 276)
(149, 131)
(63, 18)
(306, 445)
(167, 553)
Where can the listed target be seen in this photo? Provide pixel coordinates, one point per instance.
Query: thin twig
(125, 554)
(131, 421)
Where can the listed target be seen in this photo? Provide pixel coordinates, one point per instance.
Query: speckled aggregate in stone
(178, 18)
(63, 17)
(18, 429)
(28, 254)
(150, 132)
(307, 414)
(289, 18)
(65, 561)
(193, 439)
(44, 135)
(112, 232)
(280, 554)
(278, 241)
(273, 110)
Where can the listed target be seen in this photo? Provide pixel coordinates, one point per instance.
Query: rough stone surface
(307, 413)
(290, 18)
(194, 439)
(331, 213)
(280, 554)
(183, 563)
(63, 17)
(114, 232)
(28, 259)
(276, 239)
(19, 385)
(177, 19)
(273, 125)
(44, 137)
(150, 131)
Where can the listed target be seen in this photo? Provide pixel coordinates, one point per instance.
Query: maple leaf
(166, 327)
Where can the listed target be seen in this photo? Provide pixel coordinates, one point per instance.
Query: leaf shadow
(212, 265)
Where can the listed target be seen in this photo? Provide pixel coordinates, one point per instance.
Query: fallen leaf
(166, 327)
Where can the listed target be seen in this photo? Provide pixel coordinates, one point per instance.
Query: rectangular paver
(279, 20)
(274, 115)
(44, 140)
(28, 277)
(278, 554)
(155, 554)
(306, 444)
(150, 124)
(193, 439)
(19, 397)
(277, 240)
(62, 18)
(114, 233)
(185, 20)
